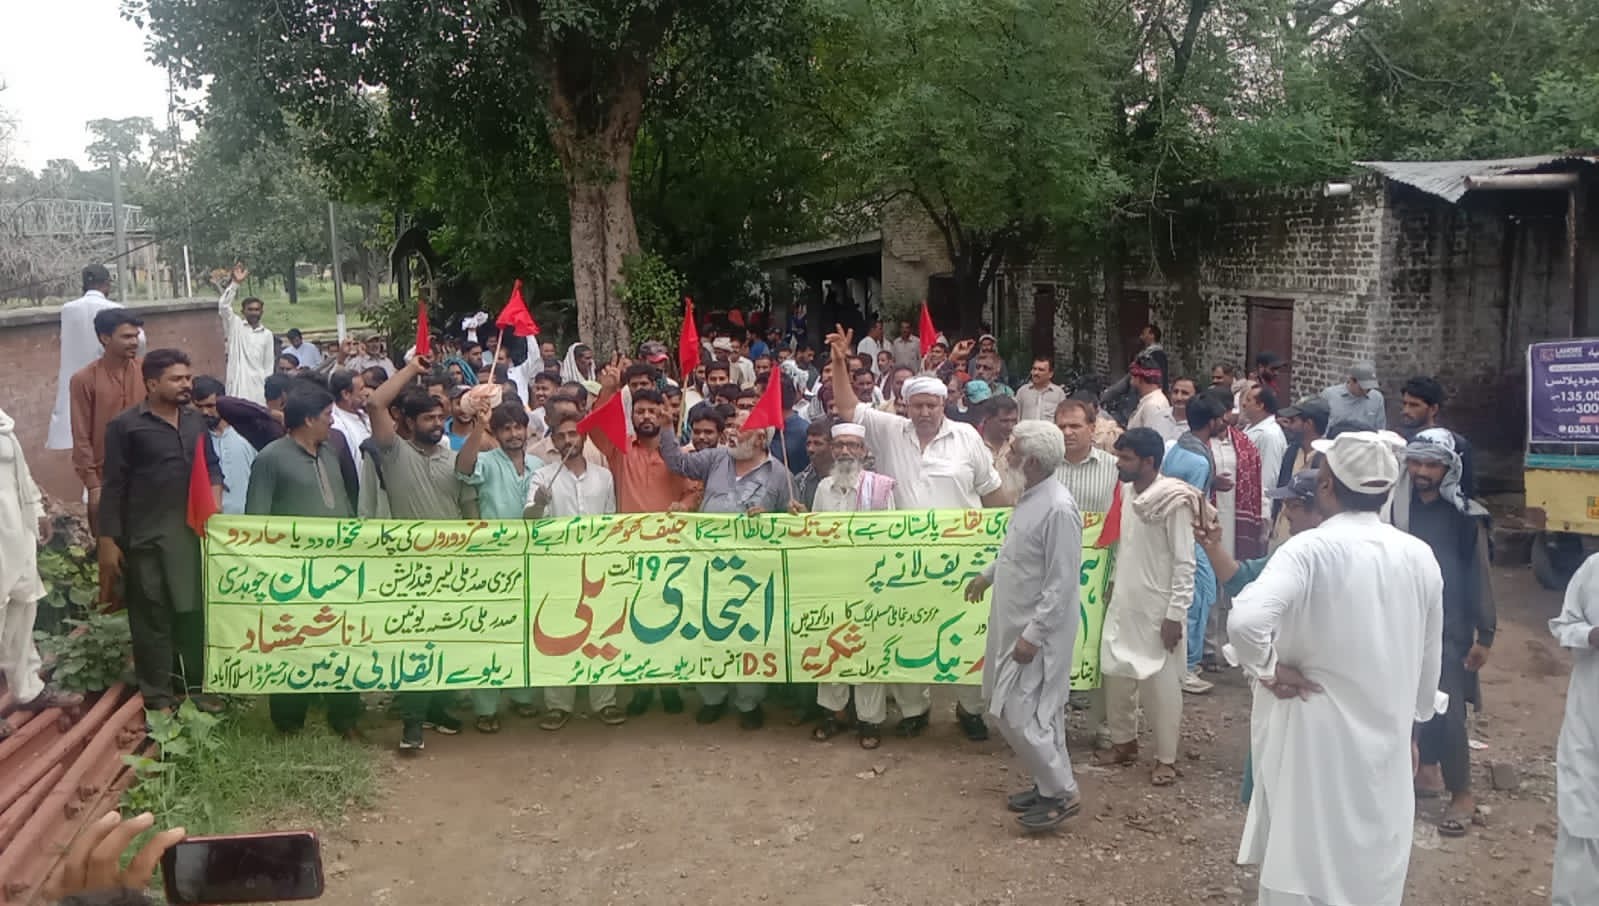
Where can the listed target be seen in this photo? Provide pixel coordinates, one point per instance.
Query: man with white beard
(1032, 627)
(849, 488)
(937, 463)
(743, 478)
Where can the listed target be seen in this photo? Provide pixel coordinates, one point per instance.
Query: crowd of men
(1341, 566)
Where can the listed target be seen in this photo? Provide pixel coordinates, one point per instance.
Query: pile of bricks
(59, 771)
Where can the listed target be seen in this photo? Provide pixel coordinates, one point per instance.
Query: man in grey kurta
(1576, 878)
(1032, 627)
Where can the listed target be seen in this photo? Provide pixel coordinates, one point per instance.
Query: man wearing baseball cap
(1303, 423)
(1343, 631)
(1357, 401)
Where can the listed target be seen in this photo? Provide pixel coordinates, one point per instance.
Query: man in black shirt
(1430, 505)
(144, 532)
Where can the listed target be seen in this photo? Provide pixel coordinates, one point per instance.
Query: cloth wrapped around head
(849, 429)
(1147, 373)
(924, 384)
(1434, 445)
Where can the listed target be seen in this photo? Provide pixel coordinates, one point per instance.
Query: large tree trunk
(291, 285)
(597, 159)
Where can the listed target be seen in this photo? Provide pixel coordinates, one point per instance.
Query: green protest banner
(305, 605)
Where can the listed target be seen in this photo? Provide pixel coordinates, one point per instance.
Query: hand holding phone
(244, 868)
(94, 860)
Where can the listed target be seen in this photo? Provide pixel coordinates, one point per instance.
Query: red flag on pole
(610, 419)
(202, 502)
(688, 343)
(927, 332)
(768, 411)
(1111, 531)
(515, 315)
(424, 338)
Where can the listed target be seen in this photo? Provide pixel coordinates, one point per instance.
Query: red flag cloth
(610, 419)
(768, 411)
(202, 502)
(927, 332)
(516, 316)
(1111, 531)
(424, 338)
(688, 343)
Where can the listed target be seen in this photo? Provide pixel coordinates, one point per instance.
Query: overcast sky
(65, 62)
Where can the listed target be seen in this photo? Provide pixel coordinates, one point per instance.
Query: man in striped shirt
(1088, 473)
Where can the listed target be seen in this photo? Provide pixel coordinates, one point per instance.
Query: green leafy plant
(651, 294)
(71, 577)
(93, 658)
(183, 739)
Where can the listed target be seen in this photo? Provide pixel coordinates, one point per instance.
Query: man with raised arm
(937, 464)
(419, 473)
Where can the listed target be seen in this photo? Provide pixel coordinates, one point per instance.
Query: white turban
(924, 384)
(849, 429)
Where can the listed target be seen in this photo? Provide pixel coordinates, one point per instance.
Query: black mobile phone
(244, 868)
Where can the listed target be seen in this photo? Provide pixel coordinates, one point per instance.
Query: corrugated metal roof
(1447, 178)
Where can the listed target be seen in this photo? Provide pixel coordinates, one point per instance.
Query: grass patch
(314, 312)
(238, 774)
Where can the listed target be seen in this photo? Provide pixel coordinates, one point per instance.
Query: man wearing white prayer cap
(937, 464)
(850, 488)
(1343, 634)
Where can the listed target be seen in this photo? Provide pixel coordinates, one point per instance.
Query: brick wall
(913, 250)
(30, 347)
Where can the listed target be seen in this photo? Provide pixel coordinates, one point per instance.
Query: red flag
(610, 419)
(1111, 531)
(927, 332)
(768, 411)
(202, 502)
(424, 339)
(688, 343)
(516, 316)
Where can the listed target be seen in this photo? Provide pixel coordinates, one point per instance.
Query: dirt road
(664, 811)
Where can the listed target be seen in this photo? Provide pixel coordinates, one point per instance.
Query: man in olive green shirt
(299, 475)
(419, 474)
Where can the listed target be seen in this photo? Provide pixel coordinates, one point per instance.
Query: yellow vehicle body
(1563, 499)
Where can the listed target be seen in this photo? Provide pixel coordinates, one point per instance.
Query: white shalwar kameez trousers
(1576, 880)
(21, 507)
(1357, 607)
(871, 699)
(251, 351)
(1035, 596)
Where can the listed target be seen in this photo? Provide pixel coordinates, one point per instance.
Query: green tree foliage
(991, 117)
(652, 294)
(495, 79)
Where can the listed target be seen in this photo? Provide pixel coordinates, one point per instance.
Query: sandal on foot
(912, 727)
(528, 711)
(1023, 801)
(1117, 755)
(640, 702)
(1425, 793)
(612, 716)
(973, 725)
(1164, 774)
(555, 720)
(51, 698)
(1048, 814)
(488, 724)
(871, 735)
(1455, 824)
(827, 729)
(671, 701)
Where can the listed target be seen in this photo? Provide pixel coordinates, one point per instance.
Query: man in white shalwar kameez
(1032, 626)
(1343, 631)
(850, 488)
(22, 529)
(79, 347)
(1576, 880)
(1142, 656)
(250, 344)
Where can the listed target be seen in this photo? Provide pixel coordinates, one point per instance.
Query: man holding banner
(850, 488)
(937, 464)
(419, 471)
(1032, 627)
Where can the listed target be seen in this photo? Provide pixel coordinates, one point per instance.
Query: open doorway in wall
(1271, 329)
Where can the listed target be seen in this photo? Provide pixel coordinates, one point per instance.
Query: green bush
(652, 294)
(91, 660)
